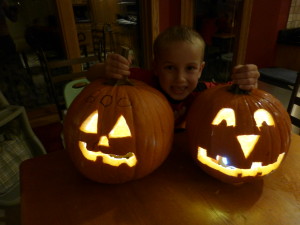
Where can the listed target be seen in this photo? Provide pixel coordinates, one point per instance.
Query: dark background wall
(268, 17)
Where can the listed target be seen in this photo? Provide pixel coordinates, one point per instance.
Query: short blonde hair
(174, 34)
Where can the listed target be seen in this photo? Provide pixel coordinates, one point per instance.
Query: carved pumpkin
(238, 137)
(117, 133)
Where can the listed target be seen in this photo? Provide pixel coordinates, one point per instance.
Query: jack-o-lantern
(237, 136)
(116, 133)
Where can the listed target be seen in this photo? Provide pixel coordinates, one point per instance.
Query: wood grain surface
(178, 192)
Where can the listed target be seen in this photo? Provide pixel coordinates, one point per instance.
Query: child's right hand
(116, 66)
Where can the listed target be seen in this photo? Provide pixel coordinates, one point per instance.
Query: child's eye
(191, 68)
(169, 67)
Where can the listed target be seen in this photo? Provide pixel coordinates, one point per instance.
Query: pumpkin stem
(234, 88)
(120, 82)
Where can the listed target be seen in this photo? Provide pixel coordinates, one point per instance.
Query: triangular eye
(120, 129)
(261, 115)
(90, 123)
(226, 114)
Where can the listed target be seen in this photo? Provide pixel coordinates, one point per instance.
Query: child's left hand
(245, 76)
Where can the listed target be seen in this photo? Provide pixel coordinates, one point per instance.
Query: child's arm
(246, 76)
(115, 66)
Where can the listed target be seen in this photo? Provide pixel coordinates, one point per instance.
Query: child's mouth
(178, 90)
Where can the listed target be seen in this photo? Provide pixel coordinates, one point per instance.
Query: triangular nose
(247, 143)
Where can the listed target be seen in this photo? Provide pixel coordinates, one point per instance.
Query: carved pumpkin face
(120, 131)
(238, 137)
(110, 132)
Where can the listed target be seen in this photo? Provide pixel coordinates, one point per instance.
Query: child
(177, 67)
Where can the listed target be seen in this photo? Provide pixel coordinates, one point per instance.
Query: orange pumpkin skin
(149, 118)
(221, 139)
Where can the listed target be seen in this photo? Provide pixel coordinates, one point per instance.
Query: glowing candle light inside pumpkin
(226, 114)
(261, 116)
(255, 169)
(111, 159)
(103, 141)
(90, 124)
(247, 143)
(121, 129)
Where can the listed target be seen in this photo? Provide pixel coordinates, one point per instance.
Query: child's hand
(116, 66)
(245, 76)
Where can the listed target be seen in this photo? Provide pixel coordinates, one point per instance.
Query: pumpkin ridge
(158, 135)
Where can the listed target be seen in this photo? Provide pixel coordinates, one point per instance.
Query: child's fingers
(114, 72)
(245, 71)
(245, 76)
(117, 58)
(244, 68)
(116, 66)
(247, 87)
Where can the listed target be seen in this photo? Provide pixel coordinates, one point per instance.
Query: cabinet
(83, 19)
(105, 11)
(116, 21)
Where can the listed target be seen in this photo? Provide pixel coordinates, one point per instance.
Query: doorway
(218, 23)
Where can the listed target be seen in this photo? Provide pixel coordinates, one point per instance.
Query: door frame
(149, 27)
(68, 28)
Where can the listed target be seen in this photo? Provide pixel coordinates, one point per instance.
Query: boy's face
(178, 67)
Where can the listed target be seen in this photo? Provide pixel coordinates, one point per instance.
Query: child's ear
(201, 69)
(202, 66)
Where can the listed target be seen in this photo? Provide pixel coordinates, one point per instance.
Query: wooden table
(178, 192)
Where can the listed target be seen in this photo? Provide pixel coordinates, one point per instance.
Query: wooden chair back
(104, 41)
(60, 72)
(295, 101)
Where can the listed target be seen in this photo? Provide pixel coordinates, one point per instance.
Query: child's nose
(180, 76)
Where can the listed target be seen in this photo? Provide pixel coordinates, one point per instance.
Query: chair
(73, 88)
(278, 76)
(18, 143)
(294, 103)
(109, 38)
(82, 45)
(104, 41)
(59, 73)
(98, 43)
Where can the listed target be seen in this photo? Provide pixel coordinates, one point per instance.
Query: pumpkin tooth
(127, 156)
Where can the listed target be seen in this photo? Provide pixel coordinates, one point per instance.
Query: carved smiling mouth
(111, 159)
(221, 164)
